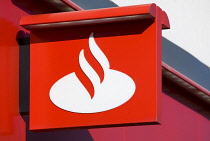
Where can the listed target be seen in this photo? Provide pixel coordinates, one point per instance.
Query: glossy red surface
(179, 121)
(46, 20)
(135, 51)
(165, 21)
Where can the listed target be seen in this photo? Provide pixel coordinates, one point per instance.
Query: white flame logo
(69, 94)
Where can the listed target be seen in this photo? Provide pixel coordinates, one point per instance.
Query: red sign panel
(96, 75)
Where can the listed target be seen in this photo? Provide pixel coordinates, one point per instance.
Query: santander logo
(69, 94)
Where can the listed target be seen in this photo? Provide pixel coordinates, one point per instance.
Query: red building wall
(179, 123)
(12, 126)
(183, 117)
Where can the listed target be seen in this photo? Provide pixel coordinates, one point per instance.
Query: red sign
(102, 73)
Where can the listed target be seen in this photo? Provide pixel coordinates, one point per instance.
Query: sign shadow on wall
(56, 135)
